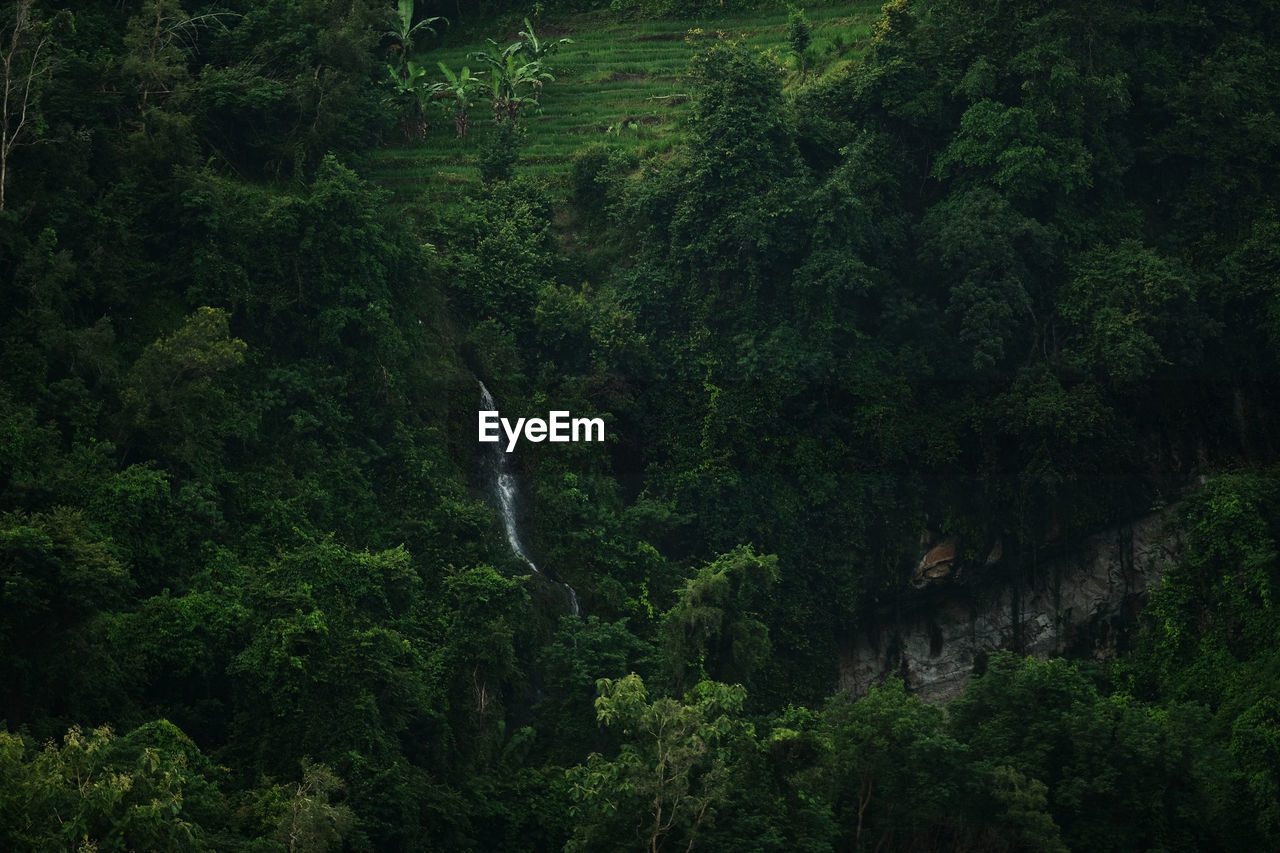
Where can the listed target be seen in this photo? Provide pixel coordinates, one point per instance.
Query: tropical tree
(535, 48)
(799, 36)
(715, 630)
(403, 32)
(58, 577)
(1132, 312)
(509, 81)
(891, 767)
(26, 58)
(674, 772)
(161, 41)
(499, 153)
(412, 92)
(1132, 790)
(151, 789)
(517, 72)
(510, 78)
(460, 95)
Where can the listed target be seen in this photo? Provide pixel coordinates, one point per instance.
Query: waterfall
(506, 494)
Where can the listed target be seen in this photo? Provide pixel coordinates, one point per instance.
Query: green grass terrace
(620, 82)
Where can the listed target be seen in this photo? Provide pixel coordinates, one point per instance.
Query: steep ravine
(1082, 604)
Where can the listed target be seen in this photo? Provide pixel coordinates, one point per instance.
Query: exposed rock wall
(1081, 604)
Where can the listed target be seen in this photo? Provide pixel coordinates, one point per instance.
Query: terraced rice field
(621, 82)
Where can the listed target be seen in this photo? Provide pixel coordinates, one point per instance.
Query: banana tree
(509, 83)
(510, 77)
(411, 94)
(403, 32)
(460, 92)
(537, 49)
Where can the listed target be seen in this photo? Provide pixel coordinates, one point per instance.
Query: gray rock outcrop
(1081, 604)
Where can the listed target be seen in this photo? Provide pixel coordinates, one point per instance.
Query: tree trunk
(17, 94)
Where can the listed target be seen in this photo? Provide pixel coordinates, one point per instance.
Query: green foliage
(322, 615)
(499, 153)
(680, 8)
(714, 630)
(1135, 311)
(505, 253)
(509, 79)
(1001, 269)
(538, 49)
(730, 219)
(799, 35)
(1129, 791)
(174, 390)
(988, 255)
(412, 95)
(588, 332)
(673, 773)
(890, 766)
(462, 90)
(581, 653)
(149, 790)
(56, 576)
(513, 73)
(1025, 820)
(288, 83)
(404, 33)
(302, 816)
(1255, 743)
(266, 255)
(28, 57)
(1210, 623)
(597, 170)
(1001, 144)
(516, 75)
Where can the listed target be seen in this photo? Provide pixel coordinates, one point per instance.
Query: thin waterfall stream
(506, 493)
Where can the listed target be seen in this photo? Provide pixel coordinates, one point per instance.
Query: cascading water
(505, 493)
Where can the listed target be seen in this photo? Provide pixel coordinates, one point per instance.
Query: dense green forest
(999, 272)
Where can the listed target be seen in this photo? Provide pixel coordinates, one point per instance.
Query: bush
(499, 153)
(594, 169)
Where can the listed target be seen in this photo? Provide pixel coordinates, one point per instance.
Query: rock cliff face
(1082, 604)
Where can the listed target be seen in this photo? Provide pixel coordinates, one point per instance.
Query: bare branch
(15, 113)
